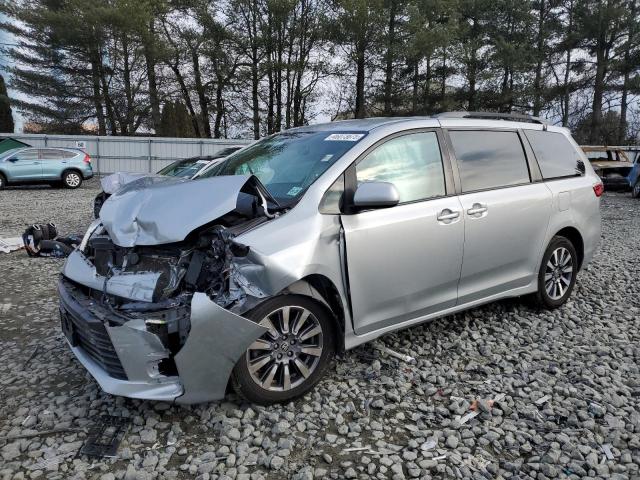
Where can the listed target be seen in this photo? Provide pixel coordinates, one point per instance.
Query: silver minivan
(319, 239)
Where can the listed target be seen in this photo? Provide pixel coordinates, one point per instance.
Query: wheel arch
(575, 237)
(323, 290)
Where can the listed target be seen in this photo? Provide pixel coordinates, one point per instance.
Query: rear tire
(557, 274)
(289, 359)
(3, 181)
(71, 179)
(635, 191)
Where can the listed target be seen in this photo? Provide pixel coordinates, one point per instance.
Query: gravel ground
(570, 381)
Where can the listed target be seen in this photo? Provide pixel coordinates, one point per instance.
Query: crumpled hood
(111, 183)
(159, 210)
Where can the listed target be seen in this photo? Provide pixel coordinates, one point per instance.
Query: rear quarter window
(489, 159)
(556, 156)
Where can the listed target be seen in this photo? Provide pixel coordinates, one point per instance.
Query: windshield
(287, 163)
(184, 168)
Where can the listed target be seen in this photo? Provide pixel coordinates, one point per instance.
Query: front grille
(93, 339)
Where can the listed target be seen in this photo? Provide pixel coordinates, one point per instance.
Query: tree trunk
(415, 81)
(202, 94)
(360, 71)
(219, 109)
(622, 127)
(150, 60)
(566, 96)
(426, 94)
(97, 101)
(111, 118)
(187, 99)
(598, 85)
(254, 92)
(388, 82)
(279, 50)
(443, 80)
(128, 119)
(471, 77)
(537, 82)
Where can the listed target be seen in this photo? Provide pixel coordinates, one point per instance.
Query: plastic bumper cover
(216, 341)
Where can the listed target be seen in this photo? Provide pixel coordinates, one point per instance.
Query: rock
(276, 462)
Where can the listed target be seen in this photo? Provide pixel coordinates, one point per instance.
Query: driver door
(404, 262)
(25, 165)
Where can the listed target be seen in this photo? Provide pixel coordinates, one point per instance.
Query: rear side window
(489, 159)
(555, 154)
(411, 162)
(68, 154)
(50, 154)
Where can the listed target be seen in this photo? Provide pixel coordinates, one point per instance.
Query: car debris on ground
(11, 244)
(105, 436)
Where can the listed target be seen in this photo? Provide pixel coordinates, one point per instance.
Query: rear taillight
(86, 159)
(598, 189)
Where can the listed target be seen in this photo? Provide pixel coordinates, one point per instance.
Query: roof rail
(516, 117)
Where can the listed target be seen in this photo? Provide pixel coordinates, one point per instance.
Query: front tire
(635, 191)
(3, 181)
(71, 179)
(557, 274)
(292, 356)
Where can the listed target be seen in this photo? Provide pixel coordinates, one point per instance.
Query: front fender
(216, 341)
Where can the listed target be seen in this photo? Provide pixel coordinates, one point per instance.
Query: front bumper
(125, 358)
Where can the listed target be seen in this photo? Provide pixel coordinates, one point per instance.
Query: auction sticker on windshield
(344, 137)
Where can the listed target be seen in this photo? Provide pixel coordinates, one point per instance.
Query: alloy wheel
(636, 189)
(558, 273)
(72, 179)
(289, 352)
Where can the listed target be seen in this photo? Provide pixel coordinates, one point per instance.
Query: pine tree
(175, 121)
(6, 118)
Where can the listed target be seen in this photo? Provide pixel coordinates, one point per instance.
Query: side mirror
(12, 159)
(376, 195)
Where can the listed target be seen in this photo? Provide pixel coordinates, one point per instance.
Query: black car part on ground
(105, 436)
(42, 240)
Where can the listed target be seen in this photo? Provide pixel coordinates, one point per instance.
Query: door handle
(477, 209)
(446, 215)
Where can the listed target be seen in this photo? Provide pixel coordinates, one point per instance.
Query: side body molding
(216, 341)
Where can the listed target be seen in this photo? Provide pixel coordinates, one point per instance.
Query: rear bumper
(126, 359)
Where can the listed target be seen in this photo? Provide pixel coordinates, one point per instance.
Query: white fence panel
(130, 154)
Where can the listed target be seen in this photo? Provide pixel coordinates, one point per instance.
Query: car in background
(634, 176)
(186, 168)
(611, 164)
(66, 167)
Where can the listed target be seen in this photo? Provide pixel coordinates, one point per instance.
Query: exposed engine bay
(203, 262)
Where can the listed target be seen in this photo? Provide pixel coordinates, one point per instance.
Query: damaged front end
(151, 302)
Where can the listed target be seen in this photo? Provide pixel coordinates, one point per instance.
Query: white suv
(319, 239)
